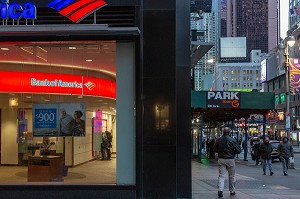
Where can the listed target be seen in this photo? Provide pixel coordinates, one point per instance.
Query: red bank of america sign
(28, 82)
(76, 10)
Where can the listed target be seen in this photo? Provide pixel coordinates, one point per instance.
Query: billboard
(233, 47)
(263, 65)
(58, 119)
(294, 69)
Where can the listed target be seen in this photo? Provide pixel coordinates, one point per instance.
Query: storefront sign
(28, 82)
(223, 99)
(76, 10)
(17, 11)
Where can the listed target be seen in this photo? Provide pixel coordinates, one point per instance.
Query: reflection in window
(162, 117)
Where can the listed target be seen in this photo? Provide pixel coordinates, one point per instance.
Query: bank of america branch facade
(124, 66)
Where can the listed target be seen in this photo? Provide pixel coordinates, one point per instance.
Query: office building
(239, 76)
(257, 20)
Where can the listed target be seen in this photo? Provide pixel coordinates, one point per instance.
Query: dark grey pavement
(251, 183)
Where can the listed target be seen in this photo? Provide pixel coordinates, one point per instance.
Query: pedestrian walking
(211, 148)
(285, 150)
(265, 150)
(226, 147)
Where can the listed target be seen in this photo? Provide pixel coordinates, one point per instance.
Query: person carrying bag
(285, 150)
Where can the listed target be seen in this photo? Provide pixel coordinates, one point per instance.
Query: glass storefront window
(276, 84)
(270, 87)
(48, 87)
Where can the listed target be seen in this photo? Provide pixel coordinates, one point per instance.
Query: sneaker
(265, 174)
(271, 173)
(232, 193)
(220, 194)
(285, 174)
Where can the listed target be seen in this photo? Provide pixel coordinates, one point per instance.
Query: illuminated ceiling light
(72, 48)
(28, 49)
(80, 96)
(42, 49)
(59, 65)
(88, 60)
(28, 97)
(4, 48)
(46, 100)
(13, 102)
(99, 100)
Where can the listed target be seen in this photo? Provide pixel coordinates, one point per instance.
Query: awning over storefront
(224, 106)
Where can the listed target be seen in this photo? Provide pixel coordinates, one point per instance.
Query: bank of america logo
(90, 85)
(76, 10)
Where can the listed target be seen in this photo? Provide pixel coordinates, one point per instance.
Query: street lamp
(289, 42)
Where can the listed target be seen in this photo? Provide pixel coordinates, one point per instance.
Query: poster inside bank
(58, 119)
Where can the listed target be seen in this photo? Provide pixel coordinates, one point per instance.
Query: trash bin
(65, 170)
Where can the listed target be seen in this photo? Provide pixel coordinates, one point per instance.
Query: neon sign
(53, 83)
(17, 11)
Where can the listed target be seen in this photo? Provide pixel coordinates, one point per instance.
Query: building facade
(206, 64)
(126, 66)
(239, 76)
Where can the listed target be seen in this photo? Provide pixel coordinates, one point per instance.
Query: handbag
(291, 163)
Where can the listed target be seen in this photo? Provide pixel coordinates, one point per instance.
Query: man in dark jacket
(256, 154)
(285, 150)
(265, 150)
(227, 148)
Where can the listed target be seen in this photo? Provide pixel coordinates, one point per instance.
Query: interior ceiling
(97, 56)
(91, 55)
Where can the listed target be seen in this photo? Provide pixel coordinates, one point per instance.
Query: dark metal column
(264, 125)
(246, 140)
(165, 76)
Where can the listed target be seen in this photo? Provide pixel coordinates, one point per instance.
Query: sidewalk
(205, 180)
(296, 149)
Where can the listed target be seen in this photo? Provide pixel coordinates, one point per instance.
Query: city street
(251, 183)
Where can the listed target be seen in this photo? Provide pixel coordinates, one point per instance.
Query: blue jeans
(285, 163)
(264, 164)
